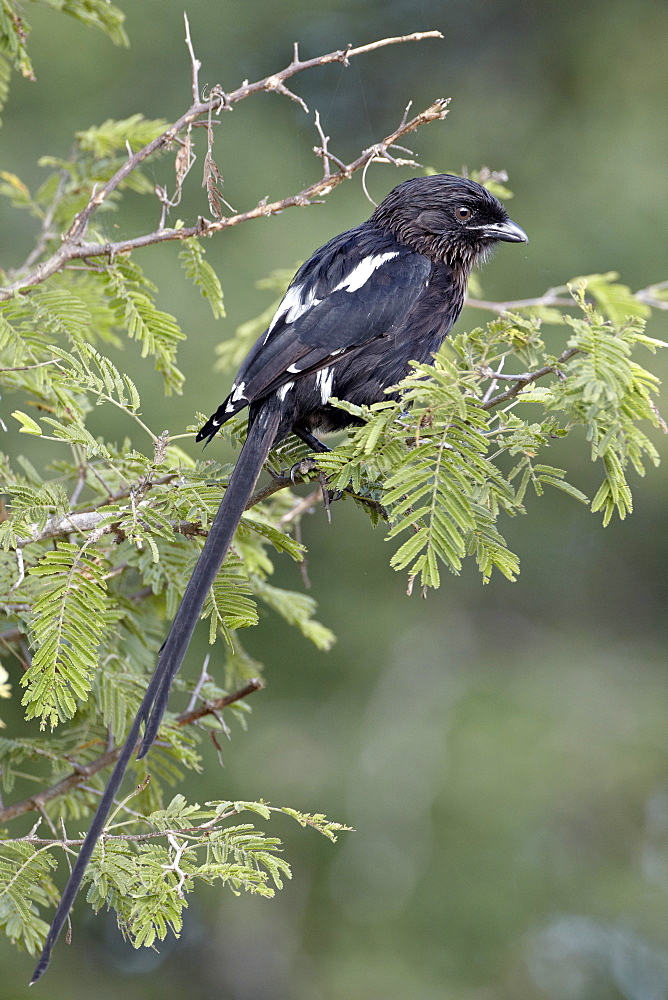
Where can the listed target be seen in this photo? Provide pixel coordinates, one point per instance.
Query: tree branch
(527, 378)
(73, 246)
(550, 298)
(653, 295)
(83, 773)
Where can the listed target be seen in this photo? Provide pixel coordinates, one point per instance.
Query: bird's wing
(329, 312)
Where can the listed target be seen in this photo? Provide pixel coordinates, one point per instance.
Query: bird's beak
(507, 231)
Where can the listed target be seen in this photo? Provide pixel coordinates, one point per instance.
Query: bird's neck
(460, 258)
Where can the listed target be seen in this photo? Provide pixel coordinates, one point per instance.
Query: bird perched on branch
(356, 314)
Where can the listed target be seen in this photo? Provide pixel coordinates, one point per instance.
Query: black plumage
(356, 314)
(369, 302)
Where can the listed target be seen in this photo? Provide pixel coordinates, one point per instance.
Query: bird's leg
(306, 465)
(310, 439)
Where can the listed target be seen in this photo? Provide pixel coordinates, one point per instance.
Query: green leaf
(203, 275)
(228, 605)
(61, 313)
(14, 32)
(67, 622)
(25, 885)
(5, 76)
(112, 136)
(28, 425)
(297, 609)
(615, 301)
(158, 332)
(101, 14)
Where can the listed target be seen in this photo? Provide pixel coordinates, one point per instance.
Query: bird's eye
(463, 213)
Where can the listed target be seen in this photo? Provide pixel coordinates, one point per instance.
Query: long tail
(260, 438)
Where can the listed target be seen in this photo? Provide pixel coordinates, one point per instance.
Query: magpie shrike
(356, 314)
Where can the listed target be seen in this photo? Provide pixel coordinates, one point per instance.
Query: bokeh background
(500, 750)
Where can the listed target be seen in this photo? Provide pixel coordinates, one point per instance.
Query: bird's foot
(300, 470)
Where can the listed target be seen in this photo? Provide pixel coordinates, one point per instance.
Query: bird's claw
(301, 469)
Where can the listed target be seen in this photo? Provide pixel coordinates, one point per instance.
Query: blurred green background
(500, 751)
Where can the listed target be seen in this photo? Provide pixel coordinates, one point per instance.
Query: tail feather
(260, 438)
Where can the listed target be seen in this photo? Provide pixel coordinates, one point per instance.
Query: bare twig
(203, 678)
(654, 295)
(82, 773)
(211, 707)
(303, 506)
(64, 524)
(73, 245)
(324, 151)
(527, 378)
(194, 62)
(491, 389)
(29, 368)
(11, 635)
(552, 297)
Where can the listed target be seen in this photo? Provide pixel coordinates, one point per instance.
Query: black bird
(356, 314)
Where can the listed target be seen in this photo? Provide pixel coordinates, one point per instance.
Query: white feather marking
(324, 380)
(294, 369)
(361, 274)
(236, 395)
(284, 390)
(292, 305)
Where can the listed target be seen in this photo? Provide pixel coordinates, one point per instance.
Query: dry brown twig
(74, 246)
(82, 773)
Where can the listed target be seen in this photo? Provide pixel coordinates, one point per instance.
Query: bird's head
(447, 218)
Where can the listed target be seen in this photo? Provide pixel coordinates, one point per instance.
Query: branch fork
(73, 243)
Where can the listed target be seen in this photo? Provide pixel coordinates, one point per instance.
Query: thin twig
(211, 707)
(81, 774)
(527, 378)
(194, 62)
(71, 250)
(491, 389)
(73, 246)
(550, 298)
(29, 368)
(203, 678)
(654, 295)
(303, 506)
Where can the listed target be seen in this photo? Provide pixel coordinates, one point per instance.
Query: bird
(357, 313)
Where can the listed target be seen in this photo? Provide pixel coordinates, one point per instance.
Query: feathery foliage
(146, 876)
(452, 456)
(96, 546)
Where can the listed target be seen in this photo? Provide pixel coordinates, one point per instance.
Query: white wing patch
(284, 390)
(236, 394)
(363, 271)
(324, 379)
(293, 304)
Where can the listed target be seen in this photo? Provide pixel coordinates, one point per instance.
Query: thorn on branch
(275, 83)
(323, 151)
(405, 117)
(73, 247)
(344, 53)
